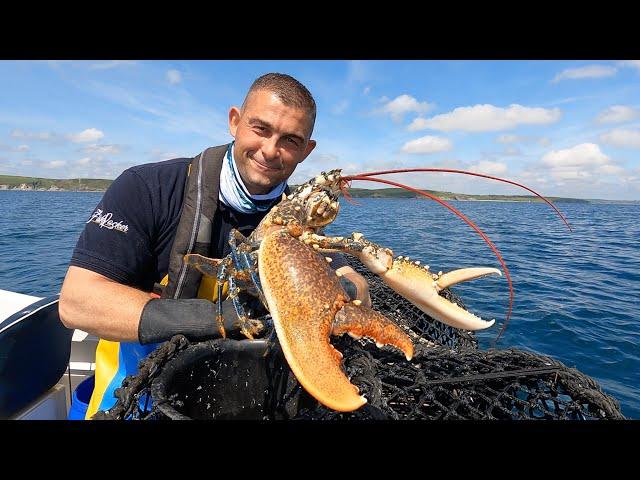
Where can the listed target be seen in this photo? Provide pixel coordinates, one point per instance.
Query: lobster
(282, 263)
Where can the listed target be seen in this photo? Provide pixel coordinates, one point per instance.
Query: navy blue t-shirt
(129, 236)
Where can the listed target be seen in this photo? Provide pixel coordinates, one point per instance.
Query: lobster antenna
(344, 188)
(469, 222)
(465, 172)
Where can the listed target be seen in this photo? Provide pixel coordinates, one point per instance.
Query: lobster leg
(248, 327)
(235, 266)
(417, 284)
(205, 265)
(222, 276)
(244, 270)
(244, 259)
(212, 267)
(235, 235)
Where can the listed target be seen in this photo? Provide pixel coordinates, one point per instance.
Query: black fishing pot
(229, 379)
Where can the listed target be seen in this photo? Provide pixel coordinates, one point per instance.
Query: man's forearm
(112, 311)
(101, 307)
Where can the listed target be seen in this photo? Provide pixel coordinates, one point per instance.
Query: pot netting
(442, 384)
(448, 378)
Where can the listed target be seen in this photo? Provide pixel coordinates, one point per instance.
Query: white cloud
(630, 63)
(588, 71)
(487, 118)
(112, 149)
(56, 64)
(318, 162)
(570, 173)
(427, 144)
(54, 164)
(584, 162)
(569, 100)
(174, 77)
(95, 167)
(157, 155)
(358, 71)
(88, 135)
(366, 90)
(609, 169)
(508, 139)
(622, 138)
(11, 148)
(178, 112)
(489, 168)
(111, 64)
(617, 114)
(41, 136)
(402, 105)
(419, 123)
(581, 171)
(512, 152)
(579, 156)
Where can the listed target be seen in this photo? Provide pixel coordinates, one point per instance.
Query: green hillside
(73, 184)
(400, 193)
(9, 182)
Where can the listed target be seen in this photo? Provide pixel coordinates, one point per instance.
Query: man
(153, 214)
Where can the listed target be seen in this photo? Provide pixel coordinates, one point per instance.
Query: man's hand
(354, 284)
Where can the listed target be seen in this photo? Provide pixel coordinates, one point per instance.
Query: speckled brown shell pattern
(305, 294)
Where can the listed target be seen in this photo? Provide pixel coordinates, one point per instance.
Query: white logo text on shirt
(105, 221)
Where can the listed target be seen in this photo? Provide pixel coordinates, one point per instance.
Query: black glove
(162, 318)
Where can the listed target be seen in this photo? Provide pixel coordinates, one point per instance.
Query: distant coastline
(16, 183)
(10, 182)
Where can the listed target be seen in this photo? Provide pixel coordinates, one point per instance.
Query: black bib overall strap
(179, 310)
(196, 218)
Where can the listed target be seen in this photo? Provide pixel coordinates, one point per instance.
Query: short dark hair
(289, 90)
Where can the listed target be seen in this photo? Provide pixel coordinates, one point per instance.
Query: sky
(563, 128)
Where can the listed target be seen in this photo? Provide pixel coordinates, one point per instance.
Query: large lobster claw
(307, 305)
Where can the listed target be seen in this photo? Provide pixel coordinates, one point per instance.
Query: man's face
(271, 139)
